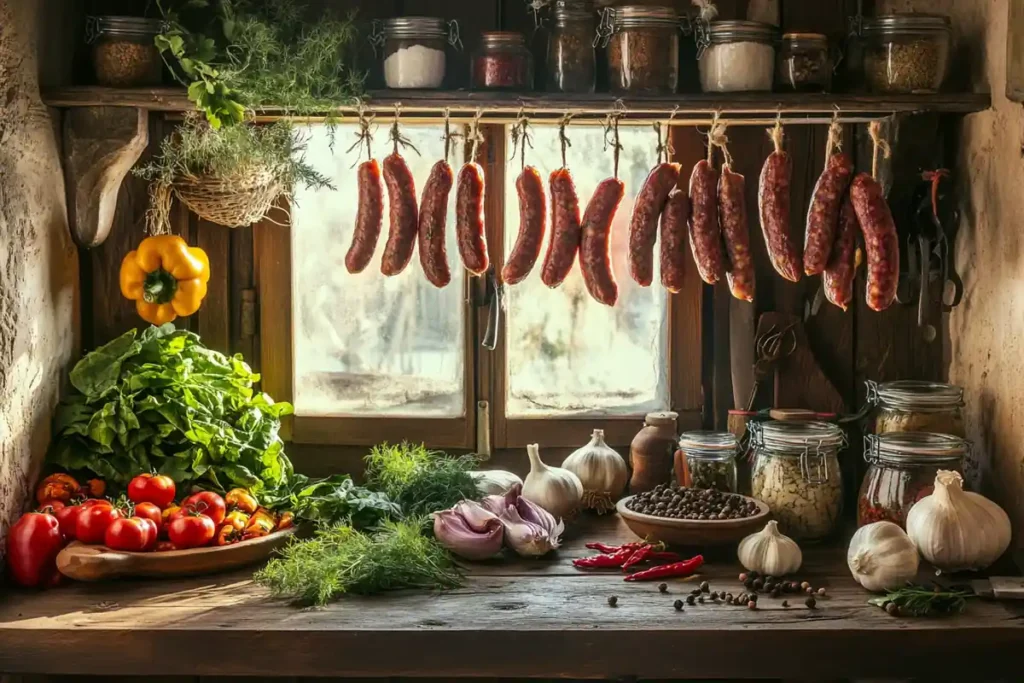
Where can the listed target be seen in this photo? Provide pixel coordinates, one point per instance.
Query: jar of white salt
(736, 56)
(414, 50)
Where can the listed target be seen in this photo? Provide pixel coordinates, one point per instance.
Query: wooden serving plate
(692, 532)
(97, 563)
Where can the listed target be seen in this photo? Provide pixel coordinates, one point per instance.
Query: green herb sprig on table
(921, 601)
(340, 560)
(331, 501)
(421, 481)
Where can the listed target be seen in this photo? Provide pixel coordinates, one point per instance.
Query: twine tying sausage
(776, 134)
(717, 138)
(879, 145)
(396, 134)
(521, 137)
(670, 149)
(363, 135)
(475, 136)
(834, 144)
(611, 134)
(448, 135)
(563, 139)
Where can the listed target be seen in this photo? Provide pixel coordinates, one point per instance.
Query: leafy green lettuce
(160, 401)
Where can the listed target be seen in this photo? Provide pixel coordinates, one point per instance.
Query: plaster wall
(38, 261)
(987, 329)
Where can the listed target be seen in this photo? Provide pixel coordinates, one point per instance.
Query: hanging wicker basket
(231, 202)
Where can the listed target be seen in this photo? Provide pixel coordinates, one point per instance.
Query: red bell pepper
(32, 546)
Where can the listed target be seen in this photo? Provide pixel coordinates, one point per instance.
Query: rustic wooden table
(512, 619)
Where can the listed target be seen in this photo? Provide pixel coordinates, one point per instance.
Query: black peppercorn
(690, 600)
(758, 584)
(701, 599)
(785, 603)
(705, 587)
(613, 601)
(776, 593)
(811, 602)
(678, 604)
(892, 609)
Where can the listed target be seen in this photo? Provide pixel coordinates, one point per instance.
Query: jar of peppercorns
(643, 48)
(572, 62)
(707, 460)
(804, 63)
(502, 62)
(124, 52)
(901, 471)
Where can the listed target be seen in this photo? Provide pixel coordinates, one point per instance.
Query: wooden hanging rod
(497, 107)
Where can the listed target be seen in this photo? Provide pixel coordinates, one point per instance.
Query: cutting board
(98, 563)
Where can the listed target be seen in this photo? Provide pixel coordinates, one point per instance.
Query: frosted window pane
(367, 344)
(568, 354)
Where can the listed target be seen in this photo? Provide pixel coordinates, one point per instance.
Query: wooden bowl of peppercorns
(692, 517)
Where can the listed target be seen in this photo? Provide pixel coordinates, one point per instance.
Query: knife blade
(999, 587)
(741, 351)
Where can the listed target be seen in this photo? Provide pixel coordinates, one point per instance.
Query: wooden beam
(101, 144)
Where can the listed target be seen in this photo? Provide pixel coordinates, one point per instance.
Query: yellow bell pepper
(165, 278)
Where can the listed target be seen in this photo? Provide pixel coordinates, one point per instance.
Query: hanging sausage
(370, 211)
(773, 205)
(826, 200)
(643, 223)
(403, 219)
(434, 216)
(469, 208)
(595, 254)
(566, 229)
(732, 217)
(532, 211)
(881, 244)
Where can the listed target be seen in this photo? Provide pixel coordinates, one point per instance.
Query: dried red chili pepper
(607, 549)
(639, 555)
(664, 556)
(684, 568)
(616, 559)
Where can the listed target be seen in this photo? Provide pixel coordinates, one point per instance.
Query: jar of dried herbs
(643, 48)
(124, 52)
(804, 63)
(796, 472)
(571, 62)
(906, 53)
(710, 461)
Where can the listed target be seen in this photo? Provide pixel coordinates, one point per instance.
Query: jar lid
(662, 418)
(707, 444)
(906, 23)
(740, 30)
(502, 39)
(915, 448)
(796, 438)
(915, 395)
(809, 40)
(416, 27)
(639, 16)
(567, 11)
(123, 27)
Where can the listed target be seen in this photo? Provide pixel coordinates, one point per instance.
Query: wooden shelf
(752, 107)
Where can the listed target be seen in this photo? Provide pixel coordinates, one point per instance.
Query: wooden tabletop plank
(512, 618)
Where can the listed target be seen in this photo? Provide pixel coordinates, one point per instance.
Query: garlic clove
(495, 482)
(526, 538)
(454, 531)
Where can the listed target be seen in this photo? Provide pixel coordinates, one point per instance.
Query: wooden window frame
(484, 376)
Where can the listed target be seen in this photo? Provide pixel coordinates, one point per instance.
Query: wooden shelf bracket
(101, 144)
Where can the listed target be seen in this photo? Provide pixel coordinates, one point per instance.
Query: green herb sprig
(421, 481)
(340, 560)
(921, 601)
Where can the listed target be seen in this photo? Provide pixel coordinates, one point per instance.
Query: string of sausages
(710, 213)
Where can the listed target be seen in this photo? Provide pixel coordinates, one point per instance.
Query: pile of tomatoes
(147, 520)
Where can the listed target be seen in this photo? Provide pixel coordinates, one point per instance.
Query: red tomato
(32, 546)
(191, 531)
(51, 506)
(152, 488)
(151, 512)
(152, 530)
(67, 516)
(131, 534)
(93, 520)
(206, 503)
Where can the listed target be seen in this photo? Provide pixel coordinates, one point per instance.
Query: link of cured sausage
(595, 255)
(773, 205)
(823, 213)
(532, 219)
(673, 240)
(433, 216)
(469, 218)
(643, 224)
(705, 233)
(881, 243)
(403, 215)
(841, 270)
(369, 217)
(565, 228)
(732, 213)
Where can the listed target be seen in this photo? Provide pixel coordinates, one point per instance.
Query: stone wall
(38, 261)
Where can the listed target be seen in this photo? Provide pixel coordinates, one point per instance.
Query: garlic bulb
(495, 482)
(955, 529)
(602, 472)
(769, 552)
(469, 530)
(882, 557)
(557, 490)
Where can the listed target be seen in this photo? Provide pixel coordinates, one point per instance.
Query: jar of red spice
(502, 62)
(901, 471)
